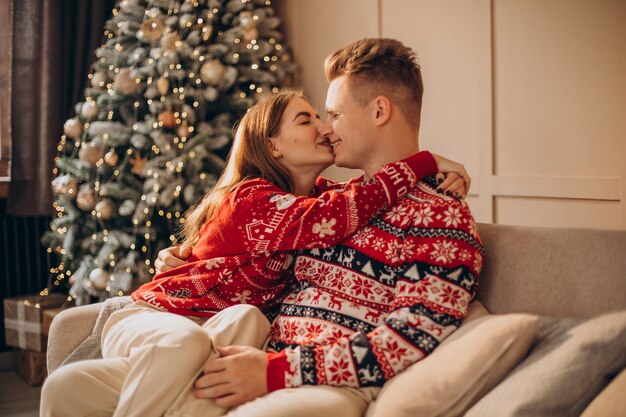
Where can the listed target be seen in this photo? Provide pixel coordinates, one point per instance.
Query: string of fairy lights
(177, 118)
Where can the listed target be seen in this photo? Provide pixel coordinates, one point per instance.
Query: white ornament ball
(207, 31)
(127, 208)
(186, 21)
(163, 85)
(125, 82)
(98, 79)
(190, 114)
(99, 278)
(154, 12)
(212, 72)
(106, 209)
(210, 94)
(111, 158)
(65, 185)
(91, 153)
(89, 109)
(73, 128)
(86, 198)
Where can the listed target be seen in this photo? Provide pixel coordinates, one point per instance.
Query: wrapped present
(31, 366)
(48, 316)
(23, 320)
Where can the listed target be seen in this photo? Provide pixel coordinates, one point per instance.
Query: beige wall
(529, 94)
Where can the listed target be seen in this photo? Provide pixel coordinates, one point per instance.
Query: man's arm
(431, 297)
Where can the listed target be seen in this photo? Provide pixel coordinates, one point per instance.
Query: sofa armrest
(68, 329)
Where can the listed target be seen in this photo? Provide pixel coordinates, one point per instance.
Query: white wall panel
(529, 94)
(560, 89)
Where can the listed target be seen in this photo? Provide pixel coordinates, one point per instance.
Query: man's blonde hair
(380, 66)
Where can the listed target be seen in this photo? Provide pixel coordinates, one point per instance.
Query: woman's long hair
(249, 158)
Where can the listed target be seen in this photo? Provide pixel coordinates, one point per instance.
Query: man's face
(349, 126)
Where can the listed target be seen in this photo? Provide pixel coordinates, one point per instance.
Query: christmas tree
(169, 81)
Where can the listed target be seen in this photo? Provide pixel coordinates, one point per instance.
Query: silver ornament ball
(73, 128)
(99, 278)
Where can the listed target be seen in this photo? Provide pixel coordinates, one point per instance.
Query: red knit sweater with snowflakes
(380, 300)
(245, 254)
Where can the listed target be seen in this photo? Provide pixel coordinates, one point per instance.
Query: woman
(267, 203)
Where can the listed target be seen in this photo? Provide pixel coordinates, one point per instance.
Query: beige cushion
(611, 402)
(570, 363)
(547, 271)
(465, 366)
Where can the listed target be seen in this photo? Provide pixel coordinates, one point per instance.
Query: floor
(17, 398)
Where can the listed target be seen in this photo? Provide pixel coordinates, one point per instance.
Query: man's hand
(171, 257)
(239, 376)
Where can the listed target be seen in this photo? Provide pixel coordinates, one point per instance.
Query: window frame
(6, 23)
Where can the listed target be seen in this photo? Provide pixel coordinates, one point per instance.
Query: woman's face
(298, 142)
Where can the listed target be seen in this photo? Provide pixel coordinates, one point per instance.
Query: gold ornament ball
(170, 41)
(111, 158)
(250, 34)
(98, 79)
(167, 119)
(246, 20)
(90, 153)
(86, 198)
(212, 72)
(99, 278)
(65, 185)
(89, 109)
(106, 208)
(163, 85)
(125, 82)
(73, 128)
(151, 29)
(183, 130)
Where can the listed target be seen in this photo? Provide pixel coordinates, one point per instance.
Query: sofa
(564, 290)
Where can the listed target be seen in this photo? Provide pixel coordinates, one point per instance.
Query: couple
(361, 311)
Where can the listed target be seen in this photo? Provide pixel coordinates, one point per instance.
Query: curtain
(53, 48)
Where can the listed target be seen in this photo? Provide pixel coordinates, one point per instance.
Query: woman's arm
(270, 219)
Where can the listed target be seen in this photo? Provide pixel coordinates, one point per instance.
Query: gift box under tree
(31, 366)
(23, 318)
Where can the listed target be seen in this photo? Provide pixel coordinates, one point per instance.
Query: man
(379, 301)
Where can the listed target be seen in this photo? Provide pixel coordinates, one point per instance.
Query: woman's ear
(274, 151)
(383, 109)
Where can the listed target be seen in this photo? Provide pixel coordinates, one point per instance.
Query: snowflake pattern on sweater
(380, 300)
(245, 254)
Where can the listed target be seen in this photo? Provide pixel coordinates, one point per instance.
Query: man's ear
(383, 108)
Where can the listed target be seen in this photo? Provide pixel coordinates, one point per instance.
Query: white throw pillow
(459, 371)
